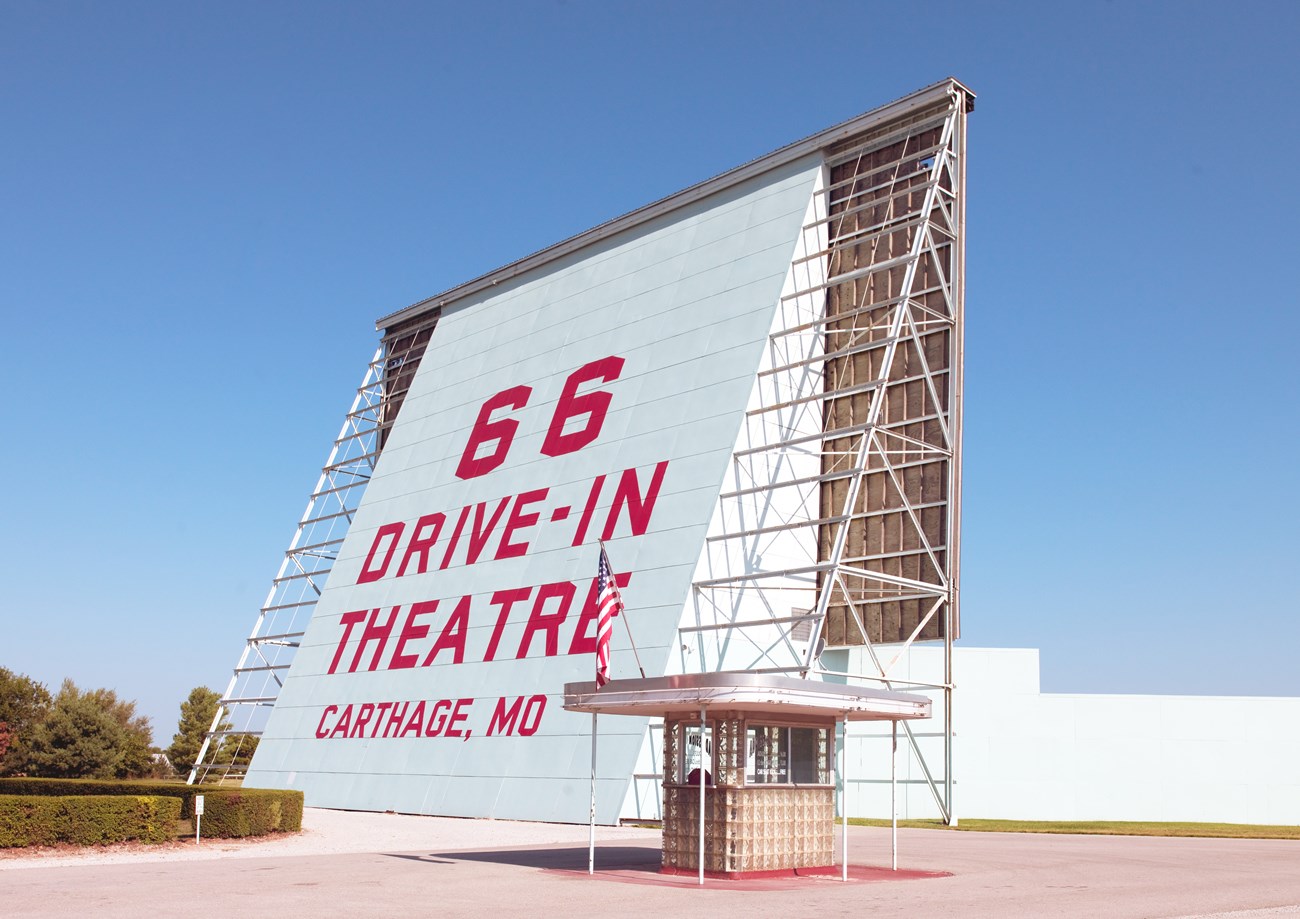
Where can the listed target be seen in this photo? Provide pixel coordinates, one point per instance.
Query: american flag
(609, 603)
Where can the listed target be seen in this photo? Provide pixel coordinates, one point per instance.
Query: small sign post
(198, 816)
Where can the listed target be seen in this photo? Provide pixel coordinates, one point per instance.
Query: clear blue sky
(203, 208)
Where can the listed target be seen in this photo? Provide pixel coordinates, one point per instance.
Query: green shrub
(228, 811)
(86, 820)
(252, 812)
(64, 787)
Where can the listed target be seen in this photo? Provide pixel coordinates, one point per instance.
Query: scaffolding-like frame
(882, 336)
(862, 378)
(270, 648)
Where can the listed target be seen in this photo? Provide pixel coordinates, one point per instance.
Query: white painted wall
(1023, 754)
(685, 302)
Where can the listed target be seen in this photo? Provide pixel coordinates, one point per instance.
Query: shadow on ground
(641, 865)
(572, 858)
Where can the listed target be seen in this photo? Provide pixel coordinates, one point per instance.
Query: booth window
(778, 755)
(694, 758)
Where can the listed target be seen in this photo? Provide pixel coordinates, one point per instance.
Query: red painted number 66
(501, 431)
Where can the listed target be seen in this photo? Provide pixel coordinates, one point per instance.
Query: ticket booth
(750, 783)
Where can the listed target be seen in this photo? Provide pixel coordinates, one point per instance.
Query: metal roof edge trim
(689, 195)
(744, 690)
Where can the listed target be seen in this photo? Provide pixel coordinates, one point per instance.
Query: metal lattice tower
(271, 645)
(838, 526)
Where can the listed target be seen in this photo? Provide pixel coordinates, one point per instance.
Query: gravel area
(332, 832)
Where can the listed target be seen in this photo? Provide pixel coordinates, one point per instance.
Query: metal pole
(957, 408)
(703, 726)
(844, 801)
(591, 829)
(893, 794)
(947, 718)
(630, 640)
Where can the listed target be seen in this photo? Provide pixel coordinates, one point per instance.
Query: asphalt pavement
(350, 865)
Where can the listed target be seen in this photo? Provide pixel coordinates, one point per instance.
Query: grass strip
(1100, 827)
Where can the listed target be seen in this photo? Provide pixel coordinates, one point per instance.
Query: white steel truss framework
(838, 523)
(271, 645)
(838, 526)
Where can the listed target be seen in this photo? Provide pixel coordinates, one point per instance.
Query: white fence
(1023, 754)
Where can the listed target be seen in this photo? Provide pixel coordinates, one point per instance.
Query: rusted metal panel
(878, 204)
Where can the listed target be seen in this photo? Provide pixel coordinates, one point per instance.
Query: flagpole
(633, 643)
(630, 639)
(591, 830)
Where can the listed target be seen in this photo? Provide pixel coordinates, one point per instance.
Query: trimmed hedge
(251, 812)
(65, 787)
(86, 820)
(228, 811)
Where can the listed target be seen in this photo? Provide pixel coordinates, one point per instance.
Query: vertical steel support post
(957, 407)
(844, 799)
(947, 721)
(893, 793)
(703, 727)
(591, 829)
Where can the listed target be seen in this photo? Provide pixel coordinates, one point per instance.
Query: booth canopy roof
(752, 693)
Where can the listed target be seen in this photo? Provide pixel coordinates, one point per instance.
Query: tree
(137, 758)
(75, 734)
(197, 713)
(23, 705)
(79, 738)
(239, 749)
